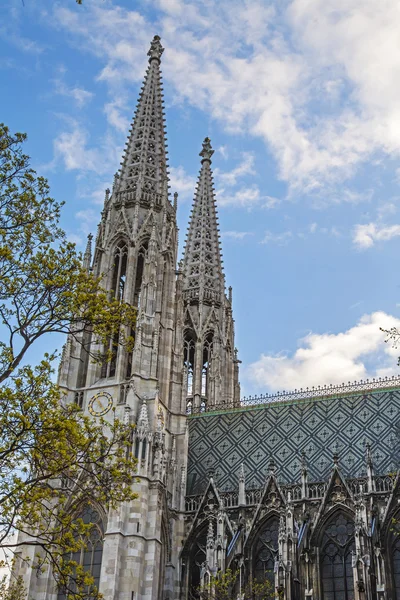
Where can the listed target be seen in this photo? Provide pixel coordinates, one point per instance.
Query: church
(299, 488)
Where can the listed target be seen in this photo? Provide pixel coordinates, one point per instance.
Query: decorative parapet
(292, 492)
(318, 392)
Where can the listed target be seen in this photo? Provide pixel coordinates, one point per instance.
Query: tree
(224, 586)
(53, 459)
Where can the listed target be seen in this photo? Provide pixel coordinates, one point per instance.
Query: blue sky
(300, 100)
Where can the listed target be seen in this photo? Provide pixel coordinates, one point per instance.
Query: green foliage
(53, 459)
(15, 590)
(225, 586)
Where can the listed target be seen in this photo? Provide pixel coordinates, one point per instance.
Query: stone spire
(204, 279)
(87, 257)
(143, 174)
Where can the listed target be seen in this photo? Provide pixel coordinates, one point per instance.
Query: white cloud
(72, 149)
(245, 167)
(365, 236)
(225, 58)
(236, 235)
(246, 197)
(330, 358)
(79, 95)
(181, 182)
(277, 238)
(114, 113)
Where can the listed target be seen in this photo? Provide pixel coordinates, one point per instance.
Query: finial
(271, 466)
(336, 459)
(303, 461)
(156, 49)
(115, 183)
(107, 196)
(230, 294)
(175, 201)
(241, 473)
(87, 257)
(369, 454)
(206, 152)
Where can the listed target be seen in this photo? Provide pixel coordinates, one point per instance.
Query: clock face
(100, 404)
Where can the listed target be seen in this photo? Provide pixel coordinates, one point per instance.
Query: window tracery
(205, 370)
(266, 551)
(91, 553)
(336, 559)
(189, 347)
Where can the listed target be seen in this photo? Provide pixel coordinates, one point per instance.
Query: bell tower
(135, 254)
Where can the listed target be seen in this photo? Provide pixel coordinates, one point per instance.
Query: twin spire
(143, 174)
(202, 264)
(143, 177)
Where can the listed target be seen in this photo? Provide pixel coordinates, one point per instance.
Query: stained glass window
(266, 551)
(336, 557)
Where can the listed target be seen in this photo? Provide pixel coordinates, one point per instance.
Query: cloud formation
(330, 358)
(367, 235)
(262, 70)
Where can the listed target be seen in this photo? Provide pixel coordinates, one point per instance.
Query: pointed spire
(204, 278)
(87, 257)
(143, 174)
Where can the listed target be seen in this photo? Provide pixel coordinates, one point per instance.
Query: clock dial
(100, 404)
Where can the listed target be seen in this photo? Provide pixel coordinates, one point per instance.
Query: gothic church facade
(300, 488)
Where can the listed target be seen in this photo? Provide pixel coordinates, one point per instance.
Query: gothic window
(188, 359)
(336, 551)
(119, 271)
(196, 562)
(89, 556)
(266, 551)
(118, 283)
(139, 273)
(198, 235)
(205, 371)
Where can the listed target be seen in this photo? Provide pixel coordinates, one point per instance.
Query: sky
(301, 101)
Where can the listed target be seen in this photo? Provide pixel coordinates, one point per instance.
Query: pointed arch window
(189, 347)
(91, 553)
(139, 273)
(205, 370)
(336, 559)
(266, 552)
(119, 271)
